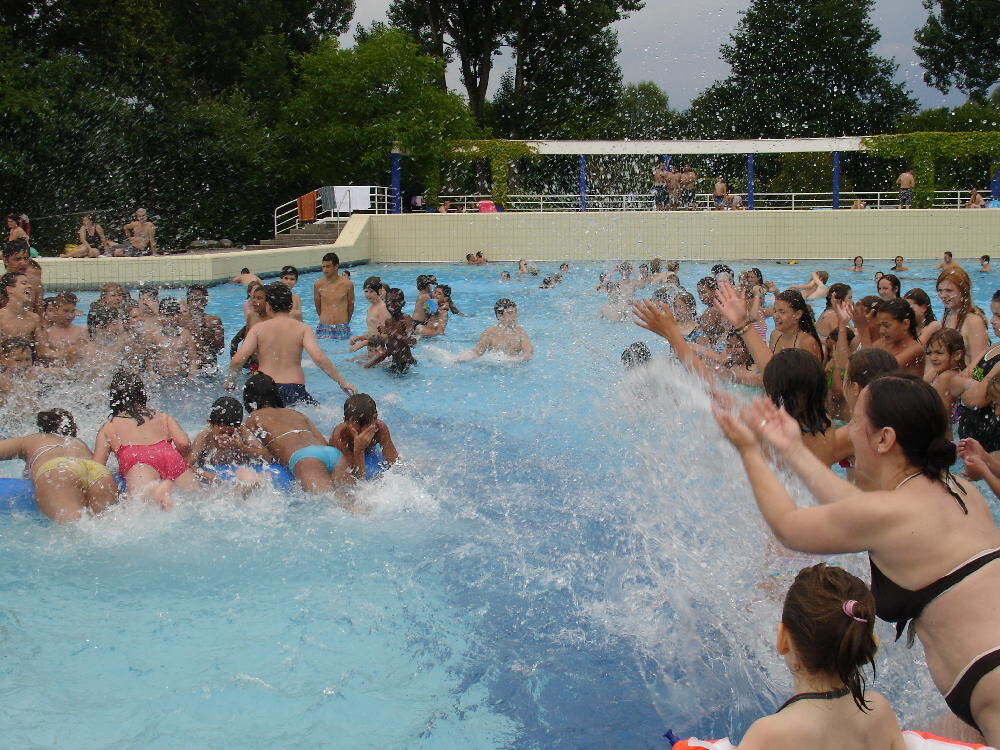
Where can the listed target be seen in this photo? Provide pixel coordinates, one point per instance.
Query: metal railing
(331, 206)
(704, 201)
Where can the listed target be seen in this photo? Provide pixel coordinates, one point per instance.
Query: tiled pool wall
(579, 236)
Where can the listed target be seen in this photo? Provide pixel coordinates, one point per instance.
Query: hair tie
(849, 610)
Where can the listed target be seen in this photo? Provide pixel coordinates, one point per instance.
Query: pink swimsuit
(161, 456)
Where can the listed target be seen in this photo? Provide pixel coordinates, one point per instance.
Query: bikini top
(895, 604)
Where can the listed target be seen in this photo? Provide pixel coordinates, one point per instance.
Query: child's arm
(338, 438)
(977, 468)
(253, 446)
(174, 433)
(383, 438)
(197, 448)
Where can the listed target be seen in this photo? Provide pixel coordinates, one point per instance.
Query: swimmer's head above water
(56, 422)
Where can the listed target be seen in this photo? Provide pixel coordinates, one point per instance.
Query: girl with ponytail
(826, 638)
(931, 539)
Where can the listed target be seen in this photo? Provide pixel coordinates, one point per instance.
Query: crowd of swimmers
(880, 387)
(876, 385)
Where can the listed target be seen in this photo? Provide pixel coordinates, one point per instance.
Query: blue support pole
(836, 180)
(395, 159)
(750, 182)
(583, 182)
(666, 160)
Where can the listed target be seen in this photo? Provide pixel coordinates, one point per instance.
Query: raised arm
(323, 362)
(655, 316)
(734, 309)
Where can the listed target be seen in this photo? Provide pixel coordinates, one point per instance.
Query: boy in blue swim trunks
(333, 296)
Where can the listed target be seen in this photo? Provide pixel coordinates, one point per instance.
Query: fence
(335, 203)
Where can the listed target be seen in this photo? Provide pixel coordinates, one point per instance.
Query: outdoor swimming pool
(567, 557)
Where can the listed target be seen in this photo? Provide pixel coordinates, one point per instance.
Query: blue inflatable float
(18, 495)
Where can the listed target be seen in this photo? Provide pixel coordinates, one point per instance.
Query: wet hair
(127, 396)
(100, 315)
(66, 298)
(824, 276)
(857, 258)
(226, 411)
(392, 295)
(360, 409)
(374, 283)
(423, 280)
(278, 296)
(9, 279)
(686, 300)
(743, 356)
(877, 278)
(636, 354)
(951, 340)
(673, 266)
(654, 265)
(332, 258)
(56, 422)
(112, 286)
(900, 310)
(376, 341)
(446, 291)
(261, 391)
(836, 291)
(12, 344)
(825, 637)
(721, 268)
(252, 286)
(48, 302)
(503, 304)
(984, 259)
(871, 302)
(244, 270)
(949, 253)
(960, 278)
(869, 363)
(916, 413)
(15, 247)
(169, 306)
(893, 280)
(289, 271)
(794, 379)
(149, 291)
(759, 274)
(196, 289)
(921, 297)
(707, 282)
(807, 324)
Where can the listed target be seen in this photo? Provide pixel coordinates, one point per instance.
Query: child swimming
(225, 441)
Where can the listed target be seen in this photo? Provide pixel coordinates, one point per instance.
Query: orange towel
(307, 206)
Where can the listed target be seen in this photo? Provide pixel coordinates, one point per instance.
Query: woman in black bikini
(826, 638)
(930, 537)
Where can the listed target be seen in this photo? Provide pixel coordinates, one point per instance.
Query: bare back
(283, 431)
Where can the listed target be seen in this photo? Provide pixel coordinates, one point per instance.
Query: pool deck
(577, 236)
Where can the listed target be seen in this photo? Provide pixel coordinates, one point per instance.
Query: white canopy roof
(749, 146)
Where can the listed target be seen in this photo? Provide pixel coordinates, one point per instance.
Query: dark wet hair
(916, 413)
(503, 304)
(900, 310)
(289, 271)
(721, 268)
(825, 637)
(807, 324)
(857, 258)
(921, 297)
(67, 298)
(56, 422)
(759, 274)
(196, 289)
(374, 283)
(15, 247)
(244, 270)
(893, 280)
(226, 411)
(794, 379)
(169, 306)
(836, 291)
(869, 363)
(361, 409)
(422, 281)
(395, 296)
(13, 344)
(446, 291)
(149, 291)
(260, 391)
(687, 300)
(636, 354)
(332, 258)
(984, 259)
(127, 396)
(9, 279)
(99, 315)
(278, 296)
(708, 282)
(871, 302)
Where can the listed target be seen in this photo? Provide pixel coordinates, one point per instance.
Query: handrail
(762, 201)
(286, 216)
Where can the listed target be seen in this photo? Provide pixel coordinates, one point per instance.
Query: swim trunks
(906, 196)
(329, 455)
(660, 195)
(87, 471)
(334, 332)
(162, 457)
(294, 393)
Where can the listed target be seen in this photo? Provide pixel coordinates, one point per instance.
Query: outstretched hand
(732, 306)
(844, 310)
(655, 316)
(733, 427)
(975, 458)
(772, 425)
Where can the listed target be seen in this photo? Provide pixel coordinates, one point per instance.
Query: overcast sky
(675, 43)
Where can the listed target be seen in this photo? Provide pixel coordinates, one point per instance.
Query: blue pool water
(565, 558)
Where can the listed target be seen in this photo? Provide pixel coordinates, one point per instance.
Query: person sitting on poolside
(360, 411)
(66, 479)
(225, 441)
(91, 240)
(295, 442)
(60, 343)
(278, 343)
(140, 237)
(149, 445)
(506, 337)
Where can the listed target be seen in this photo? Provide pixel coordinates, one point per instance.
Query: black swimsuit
(982, 424)
(827, 696)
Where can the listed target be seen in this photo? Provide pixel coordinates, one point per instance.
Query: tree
(802, 68)
(644, 113)
(959, 46)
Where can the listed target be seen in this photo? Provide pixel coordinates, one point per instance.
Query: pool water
(567, 556)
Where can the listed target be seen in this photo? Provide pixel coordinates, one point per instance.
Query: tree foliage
(802, 68)
(959, 46)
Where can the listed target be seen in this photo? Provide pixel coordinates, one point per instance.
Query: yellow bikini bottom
(86, 470)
